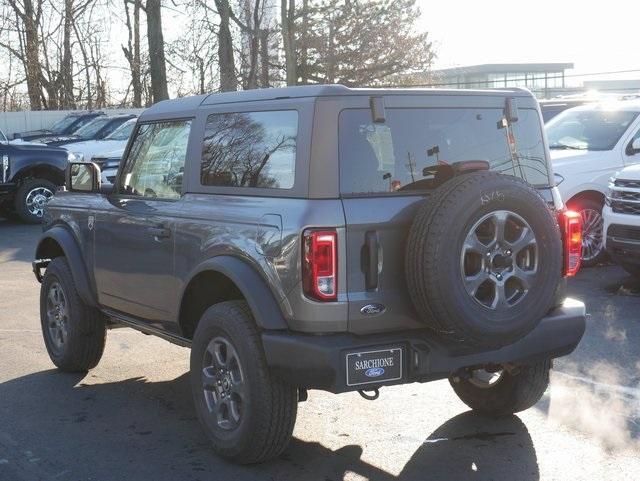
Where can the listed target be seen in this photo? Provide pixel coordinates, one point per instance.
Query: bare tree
(132, 49)
(226, 62)
(28, 16)
(356, 42)
(157, 63)
(287, 19)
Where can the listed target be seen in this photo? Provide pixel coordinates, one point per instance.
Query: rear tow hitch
(370, 397)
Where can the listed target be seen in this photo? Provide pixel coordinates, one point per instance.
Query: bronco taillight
(571, 225)
(320, 264)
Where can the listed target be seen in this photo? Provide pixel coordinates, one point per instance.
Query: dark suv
(97, 129)
(30, 174)
(65, 126)
(321, 237)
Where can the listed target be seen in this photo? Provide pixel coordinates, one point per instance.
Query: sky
(595, 35)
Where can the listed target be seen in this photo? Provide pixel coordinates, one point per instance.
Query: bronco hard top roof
(186, 104)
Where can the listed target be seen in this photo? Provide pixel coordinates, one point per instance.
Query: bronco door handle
(159, 232)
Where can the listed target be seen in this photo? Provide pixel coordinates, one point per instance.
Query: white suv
(588, 145)
(622, 217)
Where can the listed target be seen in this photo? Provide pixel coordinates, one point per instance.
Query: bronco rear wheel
(246, 411)
(484, 259)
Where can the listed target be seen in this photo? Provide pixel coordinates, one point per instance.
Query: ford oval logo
(372, 309)
(374, 372)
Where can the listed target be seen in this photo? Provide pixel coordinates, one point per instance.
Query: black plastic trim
(74, 257)
(262, 302)
(318, 362)
(118, 318)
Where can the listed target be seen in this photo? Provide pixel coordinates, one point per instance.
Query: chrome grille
(624, 232)
(633, 184)
(624, 196)
(621, 207)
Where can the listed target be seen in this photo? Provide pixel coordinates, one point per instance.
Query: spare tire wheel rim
(499, 260)
(484, 379)
(223, 383)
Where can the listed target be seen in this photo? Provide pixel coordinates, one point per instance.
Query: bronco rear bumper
(320, 362)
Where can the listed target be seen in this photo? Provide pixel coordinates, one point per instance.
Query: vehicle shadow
(64, 426)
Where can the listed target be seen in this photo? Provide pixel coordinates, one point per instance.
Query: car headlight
(4, 172)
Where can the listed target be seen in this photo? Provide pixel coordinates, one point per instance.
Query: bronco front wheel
(73, 332)
(246, 411)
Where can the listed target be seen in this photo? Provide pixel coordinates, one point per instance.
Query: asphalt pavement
(131, 418)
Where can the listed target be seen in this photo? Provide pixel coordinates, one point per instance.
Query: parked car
(65, 126)
(622, 217)
(29, 176)
(108, 163)
(97, 129)
(551, 108)
(115, 141)
(588, 145)
(321, 237)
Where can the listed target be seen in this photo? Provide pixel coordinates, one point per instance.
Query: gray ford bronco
(321, 237)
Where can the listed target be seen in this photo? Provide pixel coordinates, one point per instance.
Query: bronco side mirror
(83, 177)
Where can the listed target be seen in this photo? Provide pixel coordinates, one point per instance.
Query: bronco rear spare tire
(483, 260)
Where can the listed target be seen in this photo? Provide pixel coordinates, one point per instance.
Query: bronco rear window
(391, 157)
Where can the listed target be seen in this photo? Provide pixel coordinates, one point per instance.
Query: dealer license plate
(377, 366)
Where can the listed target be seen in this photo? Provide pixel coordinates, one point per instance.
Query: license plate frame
(361, 378)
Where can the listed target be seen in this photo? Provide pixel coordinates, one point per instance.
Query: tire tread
(87, 333)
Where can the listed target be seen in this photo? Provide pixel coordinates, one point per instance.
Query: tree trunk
(304, 53)
(32, 59)
(157, 65)
(226, 63)
(136, 74)
(87, 71)
(287, 16)
(66, 68)
(264, 58)
(254, 47)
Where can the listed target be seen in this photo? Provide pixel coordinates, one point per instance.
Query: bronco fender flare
(71, 250)
(255, 290)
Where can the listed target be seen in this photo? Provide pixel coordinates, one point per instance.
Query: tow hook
(37, 265)
(370, 397)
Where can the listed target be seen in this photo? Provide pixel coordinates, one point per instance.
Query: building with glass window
(544, 79)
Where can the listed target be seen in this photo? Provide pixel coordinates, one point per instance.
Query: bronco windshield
(395, 155)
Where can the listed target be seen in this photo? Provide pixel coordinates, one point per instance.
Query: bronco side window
(250, 149)
(155, 165)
